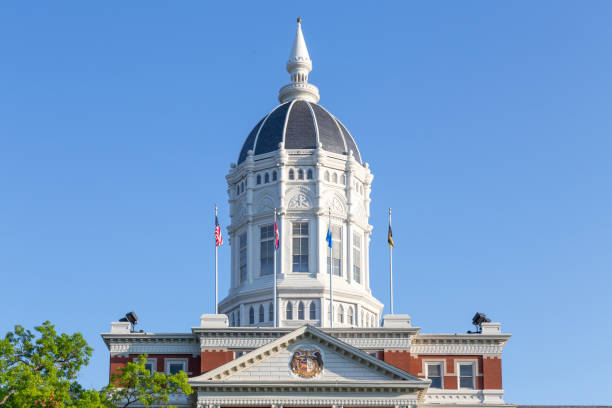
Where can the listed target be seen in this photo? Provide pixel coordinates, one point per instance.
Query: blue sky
(487, 126)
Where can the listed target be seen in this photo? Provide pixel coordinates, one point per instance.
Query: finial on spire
(299, 66)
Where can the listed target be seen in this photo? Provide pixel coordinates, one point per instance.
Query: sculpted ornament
(300, 200)
(307, 362)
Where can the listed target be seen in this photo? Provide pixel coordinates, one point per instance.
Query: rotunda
(301, 166)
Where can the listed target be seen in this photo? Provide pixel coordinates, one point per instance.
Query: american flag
(218, 235)
(276, 237)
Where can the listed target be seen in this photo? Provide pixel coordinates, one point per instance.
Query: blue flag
(328, 238)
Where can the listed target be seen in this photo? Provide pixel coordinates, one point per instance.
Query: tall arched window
(343, 180)
(259, 179)
(271, 312)
(267, 178)
(301, 311)
(251, 315)
(309, 174)
(313, 310)
(291, 174)
(237, 189)
(300, 174)
(335, 178)
(326, 175)
(289, 311)
(262, 316)
(349, 316)
(274, 175)
(340, 314)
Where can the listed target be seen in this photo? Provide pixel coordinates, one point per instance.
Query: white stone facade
(313, 187)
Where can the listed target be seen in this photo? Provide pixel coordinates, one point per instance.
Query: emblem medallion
(307, 362)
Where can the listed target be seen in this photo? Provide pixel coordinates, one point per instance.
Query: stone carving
(300, 200)
(307, 362)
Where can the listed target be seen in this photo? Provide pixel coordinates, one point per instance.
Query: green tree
(40, 372)
(136, 384)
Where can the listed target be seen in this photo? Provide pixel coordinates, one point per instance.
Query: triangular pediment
(307, 354)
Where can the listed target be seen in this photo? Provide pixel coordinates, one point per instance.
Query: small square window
(434, 373)
(175, 366)
(466, 375)
(150, 364)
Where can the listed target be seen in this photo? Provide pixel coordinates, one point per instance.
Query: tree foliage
(136, 384)
(40, 372)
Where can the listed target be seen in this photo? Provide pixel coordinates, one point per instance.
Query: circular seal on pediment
(307, 362)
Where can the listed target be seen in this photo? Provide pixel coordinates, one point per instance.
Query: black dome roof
(300, 125)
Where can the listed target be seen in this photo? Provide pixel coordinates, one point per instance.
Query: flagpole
(331, 280)
(216, 267)
(390, 267)
(275, 301)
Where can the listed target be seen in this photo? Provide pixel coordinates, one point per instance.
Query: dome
(299, 124)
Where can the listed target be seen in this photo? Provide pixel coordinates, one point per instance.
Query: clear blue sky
(487, 125)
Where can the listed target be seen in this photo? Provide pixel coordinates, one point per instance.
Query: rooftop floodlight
(478, 320)
(132, 318)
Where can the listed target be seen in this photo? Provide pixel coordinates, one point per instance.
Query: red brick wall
(212, 359)
(193, 363)
(492, 371)
(488, 375)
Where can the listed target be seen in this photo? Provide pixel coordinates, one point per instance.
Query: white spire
(299, 66)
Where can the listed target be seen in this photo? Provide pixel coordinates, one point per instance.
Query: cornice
(213, 401)
(151, 343)
(459, 344)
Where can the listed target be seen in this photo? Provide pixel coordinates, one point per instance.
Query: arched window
(262, 316)
(267, 178)
(326, 175)
(259, 179)
(271, 312)
(340, 314)
(350, 316)
(251, 315)
(300, 174)
(309, 174)
(274, 176)
(289, 311)
(232, 319)
(335, 178)
(313, 310)
(291, 174)
(343, 180)
(301, 311)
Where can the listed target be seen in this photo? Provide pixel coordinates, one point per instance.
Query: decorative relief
(300, 201)
(307, 362)
(299, 198)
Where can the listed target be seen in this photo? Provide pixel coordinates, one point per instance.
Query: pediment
(307, 355)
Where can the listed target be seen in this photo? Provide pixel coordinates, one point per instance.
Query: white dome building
(302, 161)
